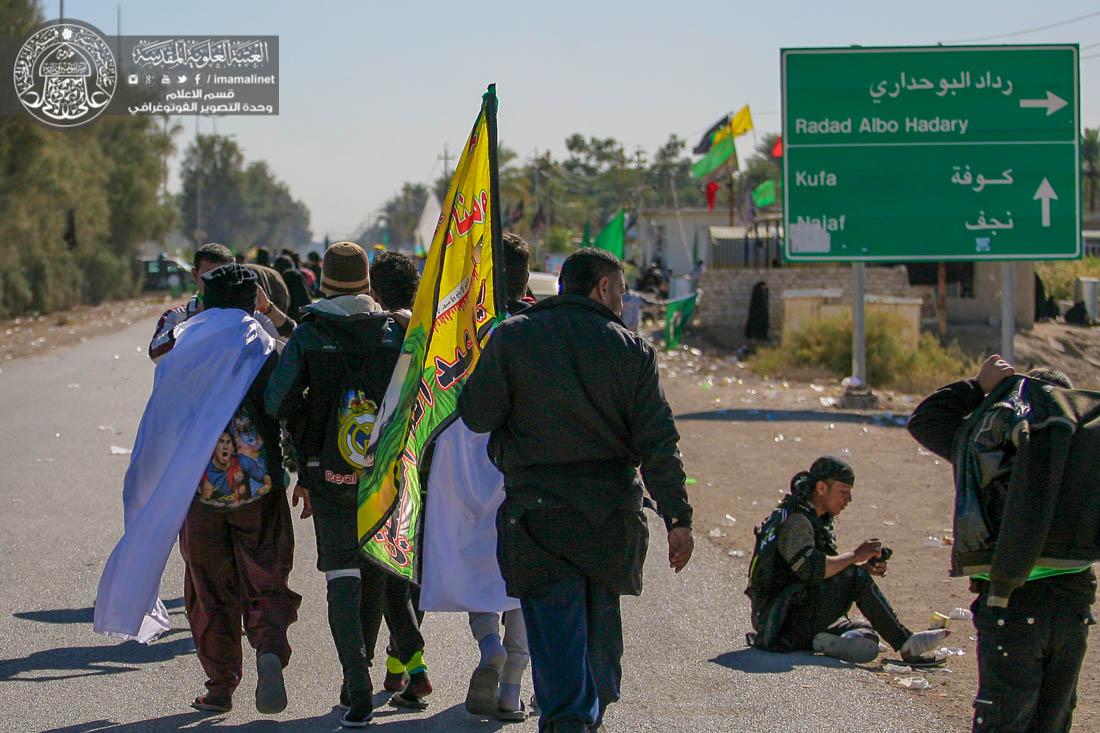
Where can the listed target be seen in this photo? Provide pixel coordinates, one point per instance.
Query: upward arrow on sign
(1044, 194)
(1053, 103)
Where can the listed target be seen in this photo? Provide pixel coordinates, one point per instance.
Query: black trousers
(824, 607)
(384, 595)
(1029, 656)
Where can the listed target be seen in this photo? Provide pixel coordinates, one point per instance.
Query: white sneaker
(922, 642)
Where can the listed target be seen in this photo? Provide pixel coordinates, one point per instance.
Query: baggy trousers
(237, 565)
(575, 634)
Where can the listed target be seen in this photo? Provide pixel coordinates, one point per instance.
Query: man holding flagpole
(574, 404)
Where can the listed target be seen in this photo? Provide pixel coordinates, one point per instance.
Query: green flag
(613, 236)
(678, 315)
(586, 240)
(764, 194)
(715, 158)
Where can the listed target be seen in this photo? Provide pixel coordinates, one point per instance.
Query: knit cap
(230, 286)
(345, 270)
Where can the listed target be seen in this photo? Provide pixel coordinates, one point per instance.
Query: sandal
(512, 715)
(211, 704)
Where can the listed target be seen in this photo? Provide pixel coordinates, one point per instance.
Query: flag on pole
(777, 149)
(764, 194)
(739, 124)
(613, 237)
(586, 238)
(721, 153)
(456, 306)
(678, 315)
(707, 140)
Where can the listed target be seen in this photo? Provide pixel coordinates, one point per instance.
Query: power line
(1025, 31)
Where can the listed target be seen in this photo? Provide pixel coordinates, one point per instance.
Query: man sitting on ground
(802, 588)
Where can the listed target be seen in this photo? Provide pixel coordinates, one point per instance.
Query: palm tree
(1090, 161)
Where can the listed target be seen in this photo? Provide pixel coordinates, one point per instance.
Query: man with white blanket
(209, 467)
(460, 570)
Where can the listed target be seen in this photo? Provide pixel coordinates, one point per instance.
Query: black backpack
(349, 428)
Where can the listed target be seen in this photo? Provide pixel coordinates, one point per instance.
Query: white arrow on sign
(1045, 193)
(1053, 103)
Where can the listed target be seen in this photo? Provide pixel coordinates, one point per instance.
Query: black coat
(574, 403)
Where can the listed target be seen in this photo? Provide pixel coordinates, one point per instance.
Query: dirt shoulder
(33, 335)
(744, 437)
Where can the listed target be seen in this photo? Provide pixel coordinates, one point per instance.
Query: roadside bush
(826, 344)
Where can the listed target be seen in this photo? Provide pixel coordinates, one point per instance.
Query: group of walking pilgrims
(534, 521)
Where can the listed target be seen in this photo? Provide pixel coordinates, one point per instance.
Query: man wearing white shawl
(209, 468)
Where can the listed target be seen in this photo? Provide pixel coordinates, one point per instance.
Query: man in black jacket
(1032, 640)
(574, 404)
(344, 333)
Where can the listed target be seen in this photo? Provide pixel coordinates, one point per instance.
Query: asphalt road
(60, 488)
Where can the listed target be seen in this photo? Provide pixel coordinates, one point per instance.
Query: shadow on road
(884, 420)
(77, 615)
(757, 661)
(453, 719)
(92, 661)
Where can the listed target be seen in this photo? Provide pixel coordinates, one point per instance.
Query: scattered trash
(797, 439)
(43, 460)
(117, 357)
(119, 451)
(939, 621)
(105, 428)
(778, 438)
(923, 452)
(912, 683)
(889, 522)
(139, 349)
(951, 651)
(865, 429)
(72, 385)
(716, 533)
(827, 401)
(817, 388)
(729, 521)
(832, 426)
(736, 553)
(960, 614)
(932, 542)
(57, 435)
(896, 668)
(689, 481)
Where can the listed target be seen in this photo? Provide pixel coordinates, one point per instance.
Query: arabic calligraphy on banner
(456, 306)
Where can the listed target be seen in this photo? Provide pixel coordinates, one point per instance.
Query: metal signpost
(932, 153)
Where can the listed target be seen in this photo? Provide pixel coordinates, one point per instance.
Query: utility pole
(446, 158)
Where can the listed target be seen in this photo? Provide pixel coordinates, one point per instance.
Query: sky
(372, 90)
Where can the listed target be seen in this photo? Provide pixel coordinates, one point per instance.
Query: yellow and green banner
(456, 306)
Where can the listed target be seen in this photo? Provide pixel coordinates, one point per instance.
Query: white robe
(459, 570)
(197, 387)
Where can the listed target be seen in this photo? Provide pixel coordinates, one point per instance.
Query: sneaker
(922, 642)
(270, 688)
(345, 697)
(854, 649)
(358, 716)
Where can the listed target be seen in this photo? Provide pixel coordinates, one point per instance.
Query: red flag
(712, 194)
(777, 149)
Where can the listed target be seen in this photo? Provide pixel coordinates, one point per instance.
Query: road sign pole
(859, 327)
(1008, 311)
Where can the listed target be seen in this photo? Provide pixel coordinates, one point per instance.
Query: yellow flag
(739, 124)
(456, 306)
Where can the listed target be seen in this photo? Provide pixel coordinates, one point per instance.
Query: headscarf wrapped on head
(825, 468)
(230, 286)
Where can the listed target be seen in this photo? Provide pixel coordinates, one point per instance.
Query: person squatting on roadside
(574, 404)
(206, 258)
(329, 383)
(1026, 458)
(460, 570)
(801, 587)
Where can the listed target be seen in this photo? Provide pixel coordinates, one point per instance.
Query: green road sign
(937, 153)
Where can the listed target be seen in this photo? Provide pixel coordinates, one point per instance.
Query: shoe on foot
(396, 675)
(357, 716)
(414, 694)
(922, 642)
(345, 696)
(509, 715)
(857, 650)
(481, 697)
(270, 688)
(210, 704)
